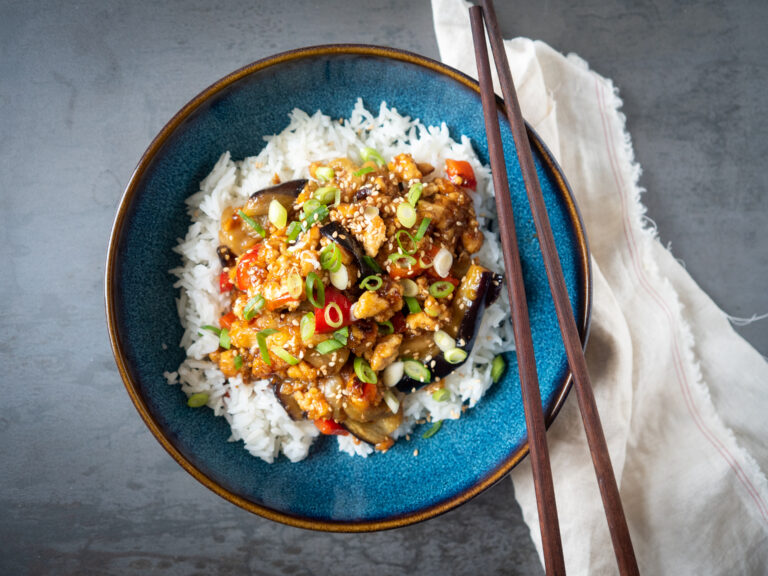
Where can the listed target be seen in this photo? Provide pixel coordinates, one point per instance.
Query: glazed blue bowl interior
(329, 489)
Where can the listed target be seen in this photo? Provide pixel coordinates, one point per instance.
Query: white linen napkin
(682, 397)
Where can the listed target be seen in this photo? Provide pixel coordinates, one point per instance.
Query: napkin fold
(683, 399)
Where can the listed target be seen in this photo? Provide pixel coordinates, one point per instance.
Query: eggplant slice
(376, 431)
(344, 238)
(288, 402)
(285, 193)
(478, 289)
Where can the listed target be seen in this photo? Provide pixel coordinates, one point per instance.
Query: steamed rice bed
(254, 413)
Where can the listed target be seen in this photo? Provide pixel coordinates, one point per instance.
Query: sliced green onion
(391, 400)
(197, 400)
(441, 395)
(293, 282)
(261, 340)
(238, 362)
(423, 264)
(317, 300)
(405, 234)
(371, 154)
(402, 260)
(415, 193)
(324, 173)
(441, 288)
(310, 206)
(410, 288)
(341, 335)
(393, 374)
(406, 214)
(278, 215)
(386, 328)
(325, 195)
(371, 283)
(307, 326)
(444, 340)
(455, 356)
(497, 368)
(329, 312)
(373, 264)
(252, 223)
(330, 257)
(413, 305)
(210, 328)
(422, 229)
(224, 340)
(417, 370)
(253, 306)
(434, 429)
(364, 371)
(340, 278)
(328, 346)
(293, 231)
(365, 170)
(284, 355)
(337, 198)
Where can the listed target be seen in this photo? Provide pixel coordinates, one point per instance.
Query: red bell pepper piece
(227, 320)
(243, 278)
(333, 296)
(328, 426)
(225, 284)
(461, 173)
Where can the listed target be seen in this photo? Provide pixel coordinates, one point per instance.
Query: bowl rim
(132, 387)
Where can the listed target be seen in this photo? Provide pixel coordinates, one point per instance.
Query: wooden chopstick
(609, 491)
(534, 416)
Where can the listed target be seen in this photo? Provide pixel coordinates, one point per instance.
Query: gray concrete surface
(84, 487)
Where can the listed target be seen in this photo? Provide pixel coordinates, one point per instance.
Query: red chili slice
(461, 173)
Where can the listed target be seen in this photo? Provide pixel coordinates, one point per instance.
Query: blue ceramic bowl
(329, 490)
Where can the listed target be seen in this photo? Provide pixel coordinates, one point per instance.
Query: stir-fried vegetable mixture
(353, 287)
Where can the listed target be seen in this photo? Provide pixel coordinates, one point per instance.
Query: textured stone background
(84, 487)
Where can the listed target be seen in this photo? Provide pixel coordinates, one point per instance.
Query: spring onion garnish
(444, 341)
(443, 262)
(330, 257)
(393, 373)
(238, 362)
(252, 223)
(316, 216)
(371, 154)
(415, 193)
(307, 326)
(310, 206)
(278, 215)
(261, 340)
(341, 335)
(400, 235)
(253, 306)
(325, 173)
(373, 264)
(284, 355)
(325, 195)
(413, 305)
(371, 283)
(425, 264)
(364, 371)
(392, 402)
(402, 260)
(328, 346)
(293, 231)
(422, 229)
(433, 311)
(340, 278)
(410, 288)
(363, 171)
(332, 310)
(433, 430)
(315, 290)
(386, 328)
(441, 395)
(224, 340)
(455, 356)
(406, 214)
(417, 370)
(197, 400)
(210, 328)
(441, 288)
(337, 198)
(294, 285)
(497, 368)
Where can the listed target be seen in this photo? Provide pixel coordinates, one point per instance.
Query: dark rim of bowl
(493, 476)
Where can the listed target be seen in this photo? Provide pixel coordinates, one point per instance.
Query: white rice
(252, 410)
